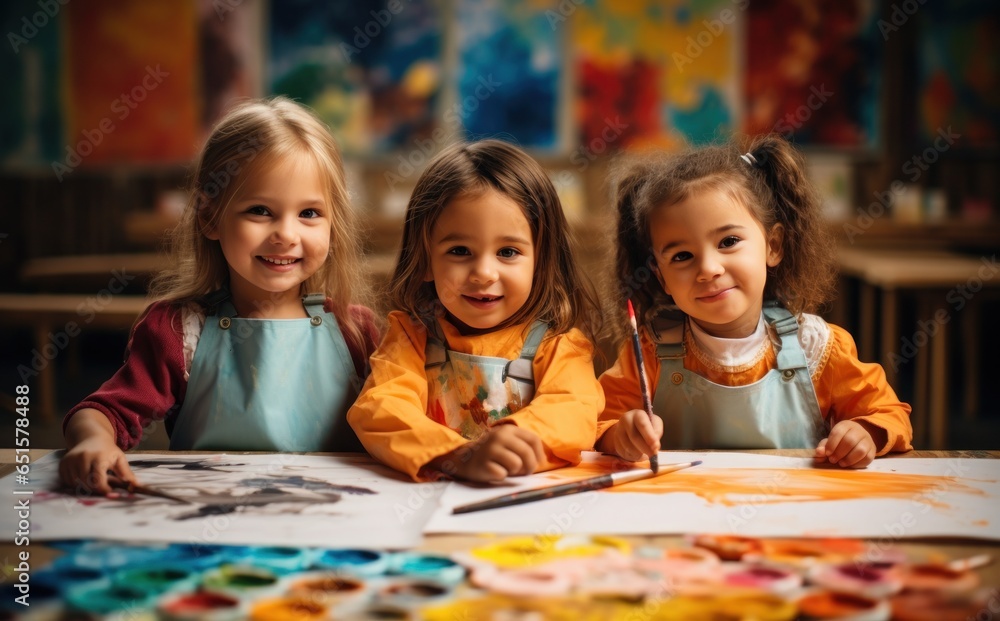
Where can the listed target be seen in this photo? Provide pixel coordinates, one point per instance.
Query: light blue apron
(268, 384)
(778, 411)
(469, 393)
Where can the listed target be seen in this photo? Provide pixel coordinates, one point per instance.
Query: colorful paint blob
(731, 486)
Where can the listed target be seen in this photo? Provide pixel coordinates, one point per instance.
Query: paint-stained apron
(469, 393)
(268, 384)
(778, 411)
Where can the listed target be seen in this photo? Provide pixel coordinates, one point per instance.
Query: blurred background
(896, 104)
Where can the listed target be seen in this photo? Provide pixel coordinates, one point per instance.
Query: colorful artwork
(132, 96)
(815, 78)
(278, 499)
(30, 113)
(373, 74)
(755, 496)
(655, 74)
(230, 54)
(470, 395)
(959, 61)
(509, 68)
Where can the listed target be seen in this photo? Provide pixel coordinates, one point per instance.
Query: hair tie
(750, 159)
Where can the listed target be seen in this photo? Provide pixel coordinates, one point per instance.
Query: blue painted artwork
(509, 67)
(371, 71)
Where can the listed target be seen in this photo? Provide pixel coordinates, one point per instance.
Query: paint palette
(751, 578)
(542, 577)
(101, 580)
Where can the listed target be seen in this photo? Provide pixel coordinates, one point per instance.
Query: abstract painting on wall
(959, 61)
(655, 74)
(131, 94)
(815, 79)
(509, 67)
(374, 75)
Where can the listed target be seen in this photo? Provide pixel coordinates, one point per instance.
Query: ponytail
(805, 278)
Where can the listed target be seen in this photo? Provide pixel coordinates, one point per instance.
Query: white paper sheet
(750, 494)
(272, 499)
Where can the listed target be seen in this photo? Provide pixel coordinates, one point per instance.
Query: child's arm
(563, 413)
(92, 453)
(390, 414)
(147, 387)
(867, 419)
(503, 451)
(634, 437)
(624, 428)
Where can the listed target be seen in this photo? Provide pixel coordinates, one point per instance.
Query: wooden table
(941, 282)
(97, 268)
(928, 549)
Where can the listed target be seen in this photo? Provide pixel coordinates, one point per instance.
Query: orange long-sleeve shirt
(390, 415)
(846, 388)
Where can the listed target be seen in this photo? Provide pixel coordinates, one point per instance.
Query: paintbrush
(584, 485)
(135, 488)
(647, 403)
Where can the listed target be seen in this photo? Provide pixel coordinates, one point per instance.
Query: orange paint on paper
(732, 486)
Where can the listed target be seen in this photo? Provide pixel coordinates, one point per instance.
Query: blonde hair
(251, 137)
(767, 176)
(560, 294)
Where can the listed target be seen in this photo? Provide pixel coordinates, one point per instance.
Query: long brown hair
(767, 176)
(251, 137)
(560, 294)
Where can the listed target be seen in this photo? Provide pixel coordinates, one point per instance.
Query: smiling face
(482, 259)
(275, 235)
(712, 257)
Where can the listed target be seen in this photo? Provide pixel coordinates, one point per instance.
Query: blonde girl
(724, 253)
(486, 370)
(254, 340)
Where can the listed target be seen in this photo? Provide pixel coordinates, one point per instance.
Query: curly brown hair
(772, 185)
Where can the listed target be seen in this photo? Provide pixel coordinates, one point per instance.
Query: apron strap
(520, 369)
(789, 354)
(214, 300)
(218, 303)
(668, 332)
(313, 303)
(436, 348)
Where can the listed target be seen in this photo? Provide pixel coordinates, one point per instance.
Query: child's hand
(849, 445)
(637, 435)
(504, 451)
(85, 466)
